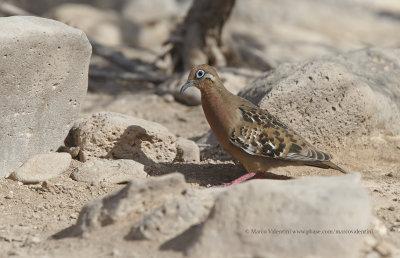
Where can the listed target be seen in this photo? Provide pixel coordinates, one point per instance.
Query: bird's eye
(200, 73)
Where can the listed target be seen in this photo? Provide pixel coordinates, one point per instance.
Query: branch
(117, 58)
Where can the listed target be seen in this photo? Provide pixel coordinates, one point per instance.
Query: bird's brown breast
(220, 115)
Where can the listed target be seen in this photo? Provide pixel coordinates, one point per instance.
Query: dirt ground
(31, 214)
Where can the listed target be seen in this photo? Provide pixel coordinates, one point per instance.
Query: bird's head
(202, 77)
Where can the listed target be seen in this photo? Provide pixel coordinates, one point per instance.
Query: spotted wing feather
(260, 133)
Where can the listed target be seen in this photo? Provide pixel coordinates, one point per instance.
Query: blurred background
(258, 31)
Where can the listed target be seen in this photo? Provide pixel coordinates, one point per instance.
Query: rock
(132, 202)
(42, 167)
(261, 218)
(118, 171)
(187, 151)
(102, 25)
(337, 99)
(73, 151)
(155, 208)
(31, 240)
(170, 219)
(40, 104)
(113, 135)
(234, 80)
(10, 195)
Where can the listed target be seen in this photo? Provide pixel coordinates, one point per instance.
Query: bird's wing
(259, 133)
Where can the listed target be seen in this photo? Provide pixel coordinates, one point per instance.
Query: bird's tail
(327, 164)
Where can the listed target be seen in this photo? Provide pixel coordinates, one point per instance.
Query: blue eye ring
(200, 73)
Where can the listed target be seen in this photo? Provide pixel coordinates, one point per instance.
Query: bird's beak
(186, 85)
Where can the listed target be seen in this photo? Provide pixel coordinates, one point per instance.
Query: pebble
(391, 208)
(10, 195)
(390, 174)
(115, 253)
(169, 98)
(30, 240)
(42, 167)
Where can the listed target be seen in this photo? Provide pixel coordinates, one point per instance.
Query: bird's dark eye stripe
(200, 73)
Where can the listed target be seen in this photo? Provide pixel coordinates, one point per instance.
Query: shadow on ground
(207, 174)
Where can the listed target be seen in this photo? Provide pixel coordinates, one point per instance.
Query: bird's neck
(218, 111)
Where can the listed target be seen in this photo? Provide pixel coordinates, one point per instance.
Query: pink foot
(246, 176)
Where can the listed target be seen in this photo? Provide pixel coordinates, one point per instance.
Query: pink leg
(246, 176)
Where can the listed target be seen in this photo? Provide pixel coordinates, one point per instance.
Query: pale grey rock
(73, 151)
(42, 167)
(43, 78)
(187, 150)
(262, 218)
(31, 240)
(169, 220)
(133, 202)
(334, 100)
(114, 135)
(97, 170)
(155, 208)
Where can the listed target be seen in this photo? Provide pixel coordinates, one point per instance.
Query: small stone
(169, 98)
(73, 151)
(42, 167)
(187, 151)
(73, 216)
(10, 195)
(97, 170)
(30, 240)
(390, 174)
(391, 208)
(115, 253)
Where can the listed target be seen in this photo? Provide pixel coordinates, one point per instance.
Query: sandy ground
(31, 214)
